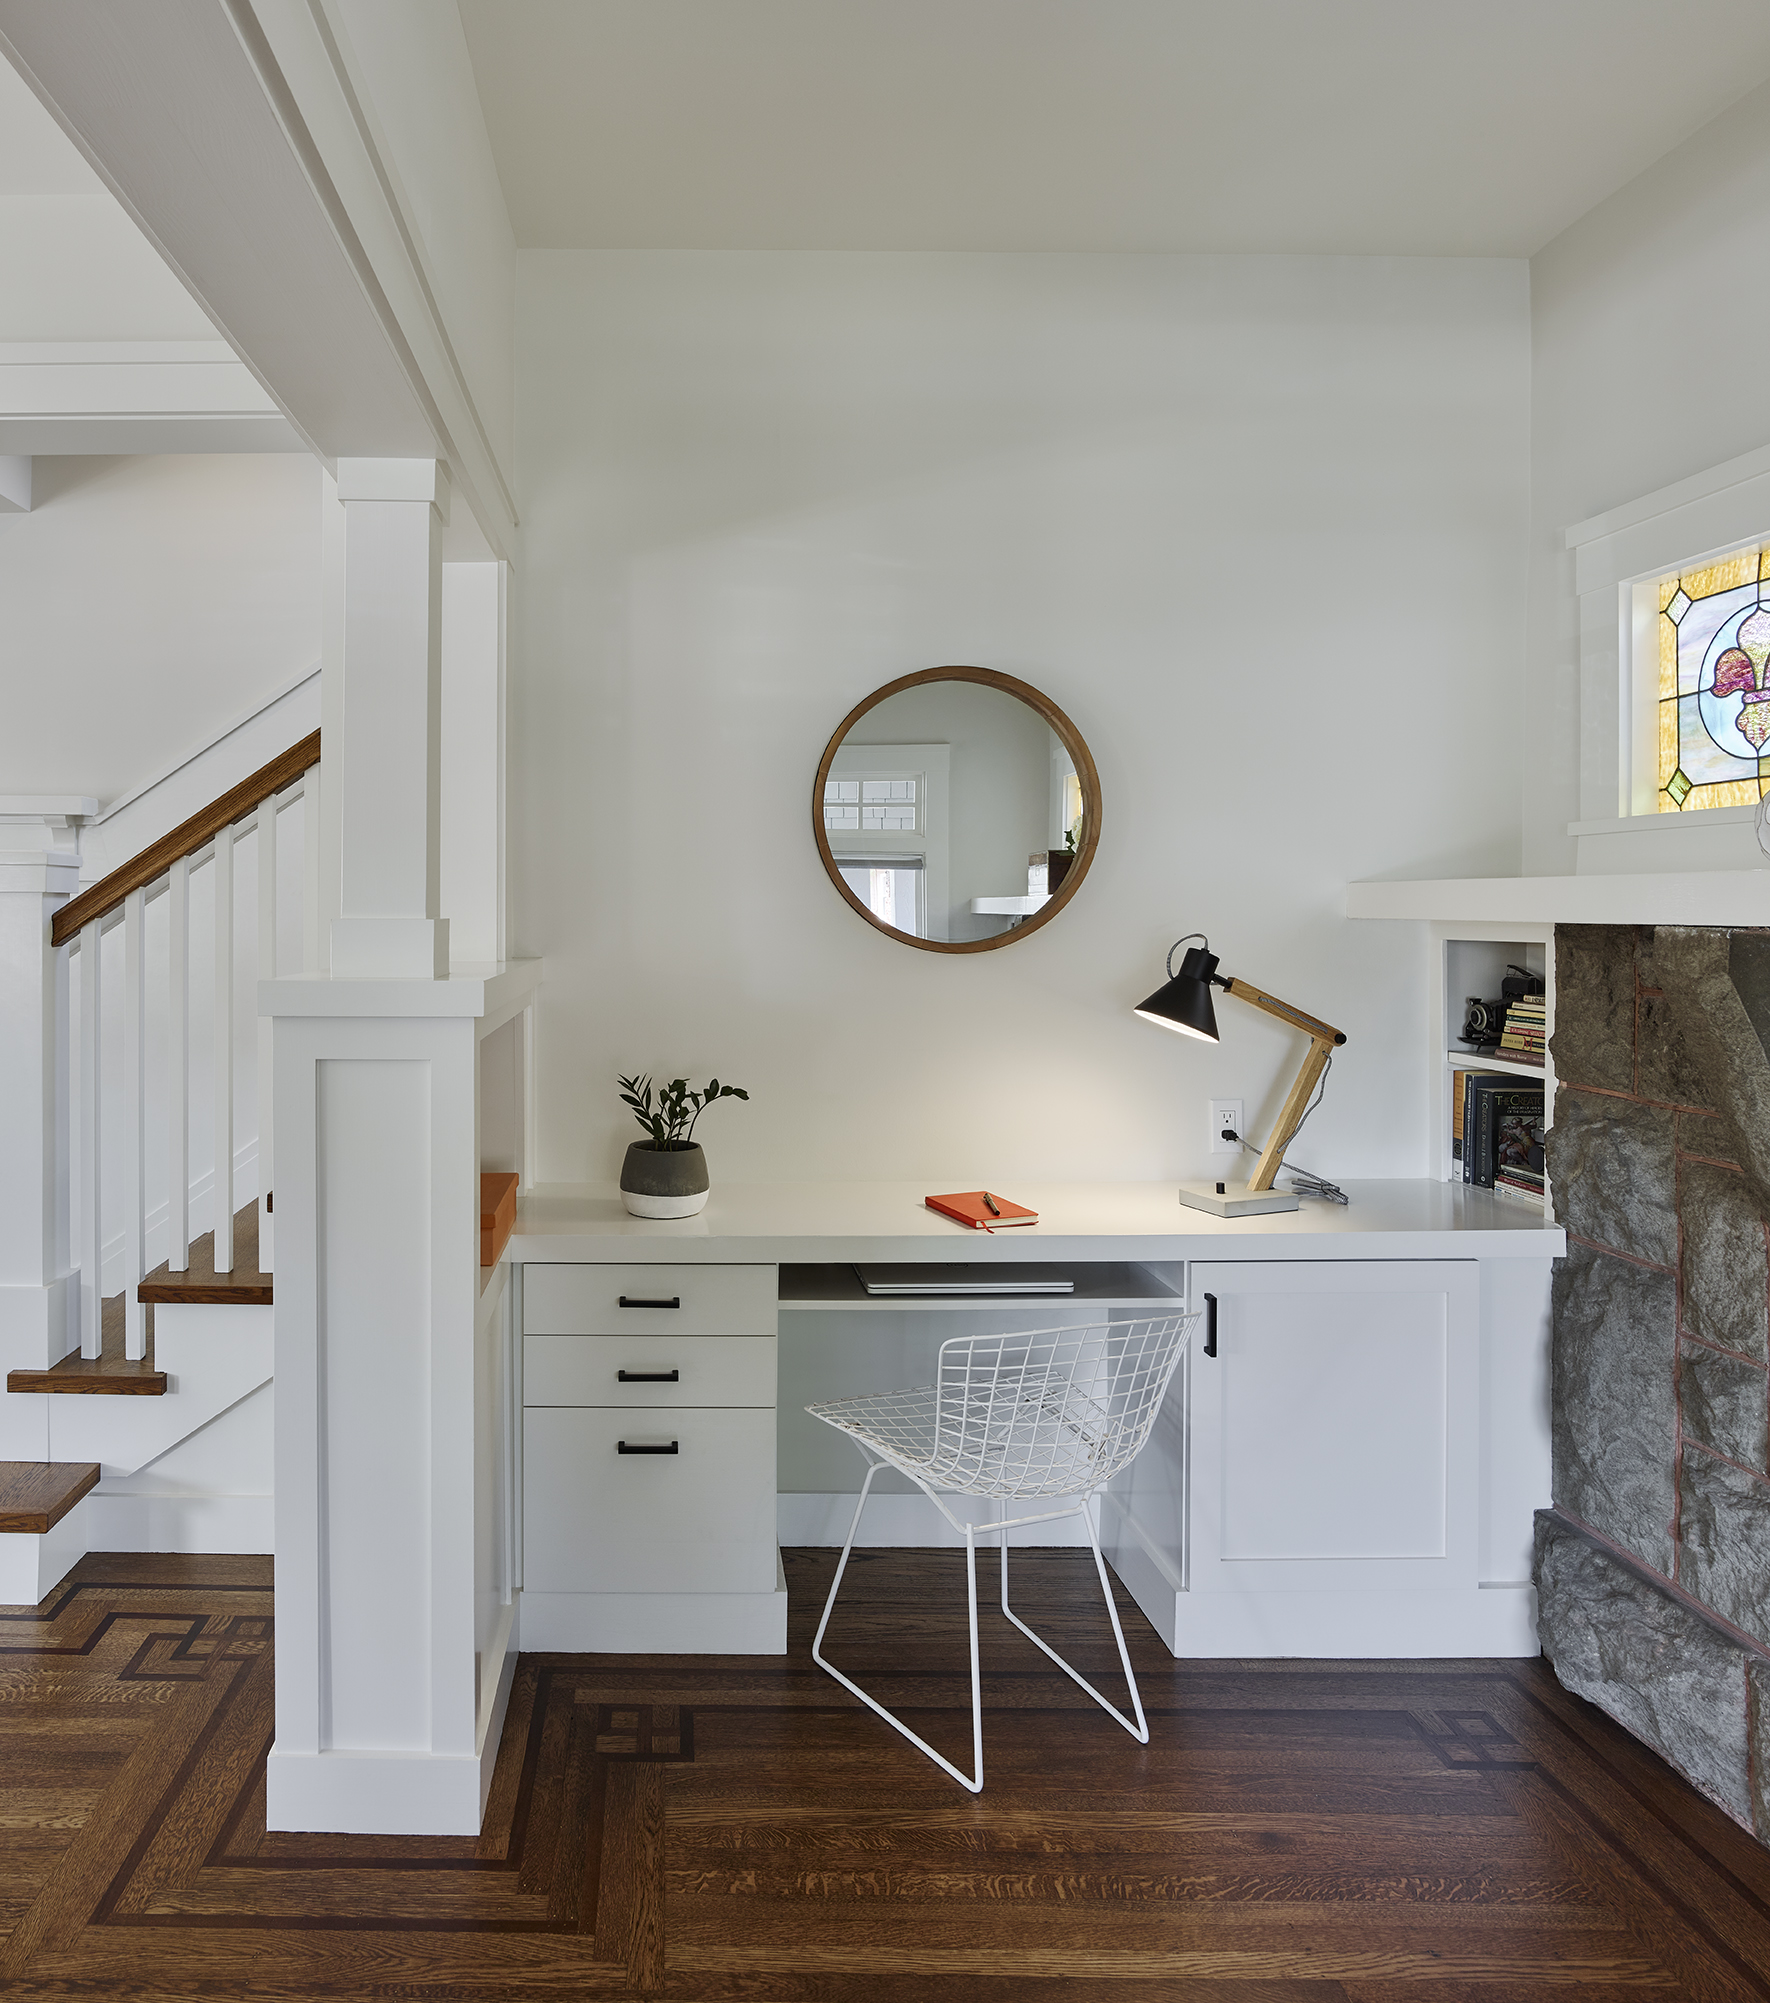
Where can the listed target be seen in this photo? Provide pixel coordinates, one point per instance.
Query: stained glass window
(1714, 688)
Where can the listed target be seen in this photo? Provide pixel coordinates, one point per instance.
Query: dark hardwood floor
(738, 1828)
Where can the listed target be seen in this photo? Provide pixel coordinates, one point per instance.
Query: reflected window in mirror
(952, 809)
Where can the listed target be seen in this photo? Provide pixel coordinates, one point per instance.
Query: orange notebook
(971, 1210)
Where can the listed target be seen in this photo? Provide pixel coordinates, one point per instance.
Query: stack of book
(1526, 1031)
(1497, 1133)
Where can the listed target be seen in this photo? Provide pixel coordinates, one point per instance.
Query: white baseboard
(374, 1794)
(494, 1702)
(1334, 1625)
(897, 1520)
(658, 1623)
(196, 1523)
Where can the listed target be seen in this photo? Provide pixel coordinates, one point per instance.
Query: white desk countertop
(768, 1223)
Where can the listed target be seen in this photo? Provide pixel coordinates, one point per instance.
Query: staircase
(106, 1390)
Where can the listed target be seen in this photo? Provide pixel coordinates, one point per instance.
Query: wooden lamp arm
(1310, 1025)
(1323, 1040)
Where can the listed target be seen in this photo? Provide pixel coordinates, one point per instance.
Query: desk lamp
(1184, 1004)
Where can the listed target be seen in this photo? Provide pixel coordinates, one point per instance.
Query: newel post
(39, 872)
(393, 1667)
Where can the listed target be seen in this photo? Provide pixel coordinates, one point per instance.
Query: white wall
(1649, 365)
(145, 603)
(1258, 525)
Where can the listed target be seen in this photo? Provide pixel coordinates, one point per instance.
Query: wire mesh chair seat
(1042, 1415)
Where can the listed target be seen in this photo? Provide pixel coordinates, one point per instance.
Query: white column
(394, 1656)
(39, 871)
(387, 767)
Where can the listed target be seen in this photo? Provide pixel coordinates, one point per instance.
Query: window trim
(1692, 522)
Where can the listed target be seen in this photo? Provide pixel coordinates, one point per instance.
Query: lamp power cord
(1303, 1181)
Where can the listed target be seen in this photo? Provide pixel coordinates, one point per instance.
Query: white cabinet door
(1334, 1437)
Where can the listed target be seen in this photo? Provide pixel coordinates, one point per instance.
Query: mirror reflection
(953, 811)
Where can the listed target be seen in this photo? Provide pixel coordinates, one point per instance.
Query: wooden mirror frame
(1073, 743)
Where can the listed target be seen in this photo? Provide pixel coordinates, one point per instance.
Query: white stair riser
(213, 1357)
(32, 1566)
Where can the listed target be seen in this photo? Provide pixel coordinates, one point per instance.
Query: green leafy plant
(1072, 835)
(669, 1116)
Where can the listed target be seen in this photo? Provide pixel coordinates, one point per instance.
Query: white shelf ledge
(1697, 897)
(1470, 1060)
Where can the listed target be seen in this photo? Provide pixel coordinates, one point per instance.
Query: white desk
(1353, 1474)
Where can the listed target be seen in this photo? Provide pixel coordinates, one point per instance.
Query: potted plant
(665, 1175)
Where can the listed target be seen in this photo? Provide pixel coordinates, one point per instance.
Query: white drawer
(700, 1520)
(708, 1300)
(589, 1369)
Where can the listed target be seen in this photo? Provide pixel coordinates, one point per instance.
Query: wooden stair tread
(34, 1495)
(109, 1374)
(244, 1286)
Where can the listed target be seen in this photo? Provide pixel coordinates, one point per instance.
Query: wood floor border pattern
(737, 1828)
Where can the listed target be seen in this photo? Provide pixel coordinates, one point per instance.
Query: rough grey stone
(1709, 1135)
(1724, 1405)
(1724, 1536)
(1757, 1683)
(1660, 1670)
(1693, 965)
(1748, 967)
(1665, 1066)
(1613, 1414)
(1725, 1265)
(1611, 1162)
(1594, 1040)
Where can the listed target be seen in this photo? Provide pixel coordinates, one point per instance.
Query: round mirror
(957, 809)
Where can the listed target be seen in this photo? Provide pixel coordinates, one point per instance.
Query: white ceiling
(1419, 127)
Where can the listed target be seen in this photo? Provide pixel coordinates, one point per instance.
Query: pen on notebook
(991, 1205)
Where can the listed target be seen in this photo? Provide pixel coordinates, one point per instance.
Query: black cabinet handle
(1210, 1324)
(648, 1376)
(639, 1447)
(675, 1301)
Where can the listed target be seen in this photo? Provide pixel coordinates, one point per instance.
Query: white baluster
(310, 870)
(222, 1039)
(267, 971)
(91, 1236)
(134, 1123)
(178, 1064)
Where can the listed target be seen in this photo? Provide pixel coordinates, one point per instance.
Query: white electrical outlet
(1225, 1113)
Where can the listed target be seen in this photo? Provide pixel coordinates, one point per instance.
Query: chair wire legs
(973, 1786)
(1138, 1729)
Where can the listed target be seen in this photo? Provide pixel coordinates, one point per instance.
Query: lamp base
(1237, 1199)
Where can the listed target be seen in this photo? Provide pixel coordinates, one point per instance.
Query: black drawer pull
(648, 1376)
(675, 1301)
(640, 1448)
(1210, 1324)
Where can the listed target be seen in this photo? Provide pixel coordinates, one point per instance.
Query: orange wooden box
(497, 1213)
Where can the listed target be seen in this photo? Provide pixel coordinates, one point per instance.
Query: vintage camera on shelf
(1483, 1021)
(1521, 984)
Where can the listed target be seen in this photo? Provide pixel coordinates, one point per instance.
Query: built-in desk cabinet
(1352, 1473)
(648, 1486)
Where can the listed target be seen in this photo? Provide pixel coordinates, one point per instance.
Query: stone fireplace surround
(1653, 1566)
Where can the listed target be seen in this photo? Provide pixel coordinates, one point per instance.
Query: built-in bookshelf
(1470, 960)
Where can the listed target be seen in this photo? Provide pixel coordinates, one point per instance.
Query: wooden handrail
(109, 891)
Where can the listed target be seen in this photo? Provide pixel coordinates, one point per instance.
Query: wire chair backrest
(1055, 1411)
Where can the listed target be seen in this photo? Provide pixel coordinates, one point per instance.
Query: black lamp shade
(1185, 1002)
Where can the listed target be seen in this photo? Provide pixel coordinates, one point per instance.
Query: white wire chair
(1051, 1414)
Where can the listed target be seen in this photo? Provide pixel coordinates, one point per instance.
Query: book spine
(1483, 1176)
(1468, 1130)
